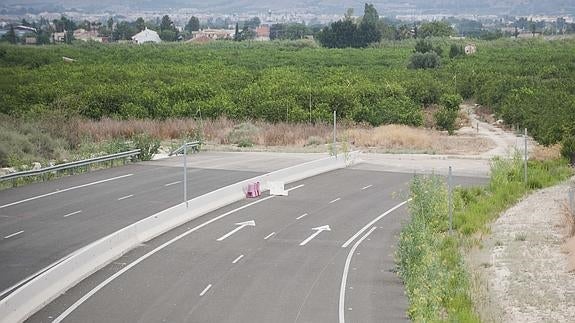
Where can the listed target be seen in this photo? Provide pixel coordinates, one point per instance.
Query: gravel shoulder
(523, 273)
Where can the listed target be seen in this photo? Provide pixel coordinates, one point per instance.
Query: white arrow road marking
(251, 223)
(366, 187)
(344, 277)
(122, 271)
(315, 234)
(337, 199)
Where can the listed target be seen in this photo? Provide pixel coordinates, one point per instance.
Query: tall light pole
(334, 135)
(186, 173)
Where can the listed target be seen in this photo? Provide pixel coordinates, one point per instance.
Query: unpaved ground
(523, 271)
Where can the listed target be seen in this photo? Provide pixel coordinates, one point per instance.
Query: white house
(146, 36)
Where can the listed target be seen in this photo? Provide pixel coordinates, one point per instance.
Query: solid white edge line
(64, 190)
(13, 234)
(237, 259)
(344, 276)
(206, 290)
(149, 254)
(73, 213)
(301, 216)
(348, 242)
(295, 187)
(269, 235)
(337, 199)
(172, 183)
(125, 197)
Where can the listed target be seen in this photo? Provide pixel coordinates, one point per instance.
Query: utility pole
(186, 173)
(525, 159)
(334, 135)
(450, 200)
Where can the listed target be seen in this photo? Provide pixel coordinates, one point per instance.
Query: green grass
(430, 260)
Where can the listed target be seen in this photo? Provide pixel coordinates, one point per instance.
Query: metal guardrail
(79, 163)
(194, 145)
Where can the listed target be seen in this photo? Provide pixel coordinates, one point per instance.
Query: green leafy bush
(568, 149)
(424, 60)
(445, 119)
(147, 144)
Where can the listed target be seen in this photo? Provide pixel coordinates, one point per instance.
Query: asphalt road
(41, 223)
(282, 267)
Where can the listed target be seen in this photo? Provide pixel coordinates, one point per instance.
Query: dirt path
(523, 268)
(506, 143)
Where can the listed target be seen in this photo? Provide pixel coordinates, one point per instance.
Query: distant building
(85, 35)
(31, 40)
(470, 49)
(146, 36)
(263, 33)
(207, 35)
(58, 37)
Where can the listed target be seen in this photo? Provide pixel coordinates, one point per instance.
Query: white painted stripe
(344, 277)
(73, 213)
(206, 290)
(149, 254)
(64, 190)
(269, 235)
(364, 188)
(125, 197)
(301, 216)
(337, 199)
(13, 235)
(296, 187)
(237, 259)
(173, 183)
(348, 242)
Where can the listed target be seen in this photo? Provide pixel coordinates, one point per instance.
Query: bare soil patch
(523, 271)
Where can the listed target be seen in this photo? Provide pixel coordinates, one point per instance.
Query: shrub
(568, 149)
(445, 119)
(424, 61)
(245, 134)
(451, 101)
(147, 144)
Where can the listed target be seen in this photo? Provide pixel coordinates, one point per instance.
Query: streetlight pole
(334, 135)
(186, 174)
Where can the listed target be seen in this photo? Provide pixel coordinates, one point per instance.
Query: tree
(167, 23)
(368, 32)
(424, 60)
(435, 29)
(10, 36)
(110, 24)
(456, 50)
(193, 24)
(237, 33)
(252, 23)
(140, 24)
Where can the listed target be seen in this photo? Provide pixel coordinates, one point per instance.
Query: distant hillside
(515, 7)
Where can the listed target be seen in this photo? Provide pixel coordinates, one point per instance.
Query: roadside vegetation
(527, 83)
(430, 259)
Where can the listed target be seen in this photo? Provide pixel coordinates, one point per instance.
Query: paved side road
(322, 254)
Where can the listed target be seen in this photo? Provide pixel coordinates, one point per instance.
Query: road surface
(44, 222)
(324, 253)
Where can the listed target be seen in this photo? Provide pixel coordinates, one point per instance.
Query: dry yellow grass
(394, 137)
(546, 153)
